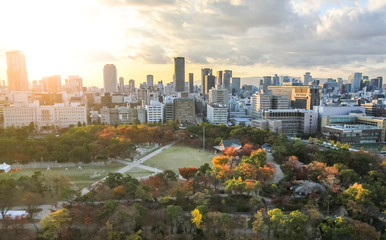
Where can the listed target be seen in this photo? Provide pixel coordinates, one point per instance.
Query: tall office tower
(267, 81)
(149, 80)
(74, 83)
(276, 80)
(355, 80)
(191, 83)
(307, 78)
(235, 83)
(227, 75)
(380, 82)
(110, 78)
(121, 85)
(204, 72)
(210, 82)
(16, 71)
(131, 87)
(179, 74)
(219, 80)
(52, 83)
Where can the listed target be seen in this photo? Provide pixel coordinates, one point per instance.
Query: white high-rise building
(217, 113)
(110, 78)
(16, 71)
(155, 112)
(355, 80)
(150, 80)
(307, 78)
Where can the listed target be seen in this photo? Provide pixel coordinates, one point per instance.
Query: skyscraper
(179, 74)
(204, 72)
(276, 80)
(307, 78)
(131, 87)
(110, 78)
(267, 81)
(227, 75)
(149, 80)
(16, 71)
(355, 80)
(52, 84)
(219, 80)
(191, 83)
(235, 82)
(121, 84)
(210, 82)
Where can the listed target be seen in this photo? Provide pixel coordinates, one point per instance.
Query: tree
(355, 196)
(56, 224)
(258, 224)
(248, 170)
(175, 216)
(336, 229)
(220, 160)
(7, 195)
(32, 201)
(188, 172)
(276, 218)
(235, 185)
(196, 217)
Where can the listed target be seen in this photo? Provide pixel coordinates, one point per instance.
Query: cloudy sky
(329, 38)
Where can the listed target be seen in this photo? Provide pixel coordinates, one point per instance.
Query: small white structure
(5, 167)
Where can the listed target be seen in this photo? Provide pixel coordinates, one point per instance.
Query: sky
(329, 38)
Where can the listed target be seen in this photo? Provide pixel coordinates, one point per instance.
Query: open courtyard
(180, 156)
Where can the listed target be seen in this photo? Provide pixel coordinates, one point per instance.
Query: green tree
(7, 195)
(175, 216)
(56, 224)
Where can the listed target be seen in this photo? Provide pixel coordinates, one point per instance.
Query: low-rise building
(184, 110)
(353, 133)
(293, 121)
(59, 116)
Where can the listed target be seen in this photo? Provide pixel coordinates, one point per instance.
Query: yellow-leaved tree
(196, 217)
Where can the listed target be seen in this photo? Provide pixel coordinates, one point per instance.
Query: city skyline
(253, 38)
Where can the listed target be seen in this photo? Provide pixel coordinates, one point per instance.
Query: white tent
(5, 167)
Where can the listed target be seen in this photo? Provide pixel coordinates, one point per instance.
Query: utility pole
(203, 138)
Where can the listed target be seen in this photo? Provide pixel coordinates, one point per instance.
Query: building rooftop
(352, 127)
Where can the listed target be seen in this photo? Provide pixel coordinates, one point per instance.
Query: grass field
(80, 178)
(139, 172)
(180, 156)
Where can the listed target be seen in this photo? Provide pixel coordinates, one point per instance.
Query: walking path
(279, 173)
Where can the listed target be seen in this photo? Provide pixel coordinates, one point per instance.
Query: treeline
(80, 144)
(100, 142)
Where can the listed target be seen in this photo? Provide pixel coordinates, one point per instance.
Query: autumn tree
(196, 218)
(56, 225)
(187, 172)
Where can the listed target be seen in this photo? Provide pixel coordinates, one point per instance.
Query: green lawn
(180, 156)
(139, 172)
(80, 178)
